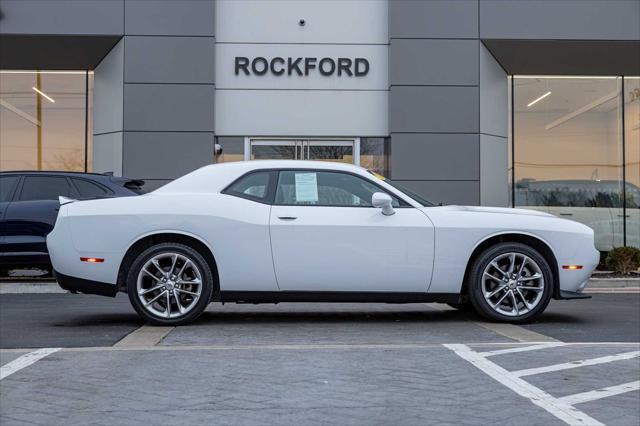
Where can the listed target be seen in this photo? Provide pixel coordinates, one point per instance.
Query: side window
(254, 186)
(314, 188)
(44, 188)
(89, 189)
(7, 184)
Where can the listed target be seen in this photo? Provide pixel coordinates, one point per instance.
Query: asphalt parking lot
(317, 363)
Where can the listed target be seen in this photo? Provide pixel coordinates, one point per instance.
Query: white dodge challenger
(305, 231)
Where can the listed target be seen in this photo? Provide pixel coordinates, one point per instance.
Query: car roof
(52, 172)
(287, 164)
(214, 177)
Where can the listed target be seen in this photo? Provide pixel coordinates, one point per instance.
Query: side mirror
(383, 201)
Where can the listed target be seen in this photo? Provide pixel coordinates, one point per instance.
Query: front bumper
(79, 285)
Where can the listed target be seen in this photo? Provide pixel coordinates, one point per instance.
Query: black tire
(477, 298)
(189, 253)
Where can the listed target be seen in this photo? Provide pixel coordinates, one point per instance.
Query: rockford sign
(349, 67)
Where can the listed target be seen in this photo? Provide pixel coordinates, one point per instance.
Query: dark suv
(29, 206)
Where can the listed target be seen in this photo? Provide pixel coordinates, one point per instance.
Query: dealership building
(523, 103)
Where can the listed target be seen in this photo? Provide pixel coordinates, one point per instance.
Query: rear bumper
(79, 285)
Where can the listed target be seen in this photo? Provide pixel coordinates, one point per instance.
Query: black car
(29, 206)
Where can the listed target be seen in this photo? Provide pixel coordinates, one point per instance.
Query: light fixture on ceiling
(40, 92)
(535, 101)
(582, 110)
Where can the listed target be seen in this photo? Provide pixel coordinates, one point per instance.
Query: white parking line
(579, 398)
(537, 396)
(522, 349)
(576, 364)
(25, 361)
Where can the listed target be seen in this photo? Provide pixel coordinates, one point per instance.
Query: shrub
(623, 260)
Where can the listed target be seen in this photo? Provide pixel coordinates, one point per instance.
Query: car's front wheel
(169, 284)
(510, 282)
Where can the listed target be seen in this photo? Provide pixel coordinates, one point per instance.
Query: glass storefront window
(44, 122)
(571, 156)
(374, 154)
(228, 149)
(632, 158)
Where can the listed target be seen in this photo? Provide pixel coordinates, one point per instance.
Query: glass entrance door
(275, 149)
(338, 150)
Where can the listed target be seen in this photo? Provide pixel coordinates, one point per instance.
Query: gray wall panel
(169, 17)
(108, 91)
(168, 107)
(62, 17)
(165, 155)
(560, 19)
(170, 60)
(435, 156)
(433, 18)
(446, 191)
(433, 109)
(107, 153)
(153, 184)
(494, 102)
(494, 185)
(433, 62)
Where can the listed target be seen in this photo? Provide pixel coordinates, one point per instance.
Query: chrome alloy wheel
(512, 284)
(169, 285)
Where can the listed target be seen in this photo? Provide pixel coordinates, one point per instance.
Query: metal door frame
(302, 143)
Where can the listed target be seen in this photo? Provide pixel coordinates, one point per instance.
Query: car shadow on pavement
(333, 316)
(100, 320)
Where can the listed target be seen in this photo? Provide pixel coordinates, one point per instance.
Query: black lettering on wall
(294, 65)
(309, 64)
(302, 66)
(272, 66)
(242, 63)
(362, 67)
(322, 68)
(344, 64)
(259, 70)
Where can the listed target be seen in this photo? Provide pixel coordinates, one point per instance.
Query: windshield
(409, 193)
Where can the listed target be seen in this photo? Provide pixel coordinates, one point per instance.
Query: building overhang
(54, 52)
(566, 57)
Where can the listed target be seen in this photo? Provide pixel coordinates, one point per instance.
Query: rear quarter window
(45, 188)
(89, 189)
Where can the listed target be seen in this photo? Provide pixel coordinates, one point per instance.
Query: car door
(8, 185)
(32, 215)
(326, 236)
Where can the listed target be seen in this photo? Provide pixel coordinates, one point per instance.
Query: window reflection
(632, 158)
(374, 155)
(43, 120)
(568, 152)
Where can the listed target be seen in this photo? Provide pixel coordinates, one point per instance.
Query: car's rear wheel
(510, 282)
(169, 284)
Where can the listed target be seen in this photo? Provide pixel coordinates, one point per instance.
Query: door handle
(566, 214)
(287, 217)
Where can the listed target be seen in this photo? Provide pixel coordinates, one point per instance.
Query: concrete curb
(595, 285)
(30, 287)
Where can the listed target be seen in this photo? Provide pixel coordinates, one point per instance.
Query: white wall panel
(276, 21)
(375, 79)
(301, 113)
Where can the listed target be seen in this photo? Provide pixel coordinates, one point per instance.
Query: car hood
(499, 210)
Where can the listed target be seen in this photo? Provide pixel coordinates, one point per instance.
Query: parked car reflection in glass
(595, 203)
